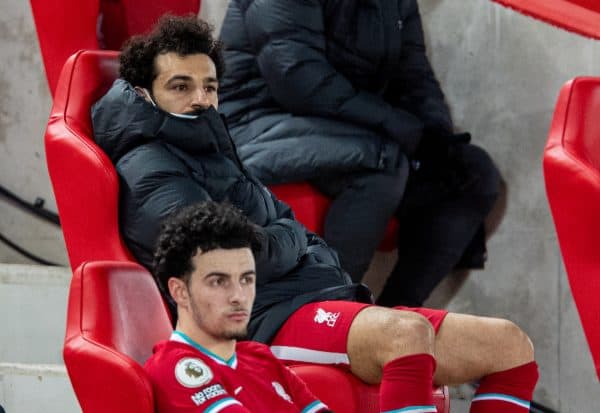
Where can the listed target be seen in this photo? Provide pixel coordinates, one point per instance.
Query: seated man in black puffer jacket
(340, 93)
(159, 125)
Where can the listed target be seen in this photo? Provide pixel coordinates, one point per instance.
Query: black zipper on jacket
(392, 28)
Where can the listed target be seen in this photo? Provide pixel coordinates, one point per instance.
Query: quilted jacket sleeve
(283, 241)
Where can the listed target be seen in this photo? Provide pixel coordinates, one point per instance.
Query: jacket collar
(123, 120)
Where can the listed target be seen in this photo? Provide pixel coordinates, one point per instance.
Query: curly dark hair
(206, 226)
(182, 35)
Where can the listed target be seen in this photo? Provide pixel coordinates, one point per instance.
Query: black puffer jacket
(165, 163)
(314, 86)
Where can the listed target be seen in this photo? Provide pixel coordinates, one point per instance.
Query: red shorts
(318, 332)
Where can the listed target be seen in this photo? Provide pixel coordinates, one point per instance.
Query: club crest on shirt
(328, 317)
(192, 372)
(281, 391)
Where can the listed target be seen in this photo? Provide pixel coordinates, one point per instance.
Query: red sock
(508, 391)
(406, 384)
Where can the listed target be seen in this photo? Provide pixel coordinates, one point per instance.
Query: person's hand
(438, 147)
(456, 138)
(439, 158)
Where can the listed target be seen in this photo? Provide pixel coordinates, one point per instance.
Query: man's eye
(210, 89)
(217, 282)
(180, 88)
(248, 279)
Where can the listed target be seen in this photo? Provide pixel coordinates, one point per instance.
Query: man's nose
(201, 98)
(237, 294)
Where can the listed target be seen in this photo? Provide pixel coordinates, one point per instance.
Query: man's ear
(179, 291)
(143, 93)
(140, 91)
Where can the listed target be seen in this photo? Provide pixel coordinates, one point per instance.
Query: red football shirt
(186, 377)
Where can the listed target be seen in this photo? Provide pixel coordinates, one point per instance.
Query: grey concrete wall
(25, 103)
(501, 73)
(33, 312)
(26, 388)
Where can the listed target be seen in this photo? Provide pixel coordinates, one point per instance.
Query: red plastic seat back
(572, 175)
(579, 126)
(84, 179)
(122, 19)
(63, 27)
(114, 318)
(308, 204)
(578, 16)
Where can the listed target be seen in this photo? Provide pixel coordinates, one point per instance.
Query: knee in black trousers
(481, 175)
(357, 219)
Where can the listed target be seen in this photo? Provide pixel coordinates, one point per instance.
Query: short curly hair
(205, 226)
(184, 35)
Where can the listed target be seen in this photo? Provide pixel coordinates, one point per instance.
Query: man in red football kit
(204, 255)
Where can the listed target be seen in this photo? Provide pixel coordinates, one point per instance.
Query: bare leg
(378, 335)
(466, 347)
(469, 347)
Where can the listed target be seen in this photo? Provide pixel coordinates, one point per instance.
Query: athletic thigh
(469, 347)
(379, 335)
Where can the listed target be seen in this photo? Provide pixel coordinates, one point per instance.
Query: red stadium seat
(572, 174)
(578, 16)
(310, 208)
(114, 318)
(66, 26)
(86, 188)
(121, 19)
(84, 179)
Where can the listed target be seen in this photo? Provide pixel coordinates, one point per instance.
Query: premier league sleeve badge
(192, 372)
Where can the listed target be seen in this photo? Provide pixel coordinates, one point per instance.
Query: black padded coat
(165, 163)
(316, 86)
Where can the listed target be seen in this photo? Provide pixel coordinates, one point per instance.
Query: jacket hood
(123, 120)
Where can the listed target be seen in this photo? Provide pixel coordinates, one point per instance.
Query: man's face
(220, 293)
(185, 84)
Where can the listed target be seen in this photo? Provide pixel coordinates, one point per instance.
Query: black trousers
(441, 209)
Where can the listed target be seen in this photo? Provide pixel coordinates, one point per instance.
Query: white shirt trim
(310, 356)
